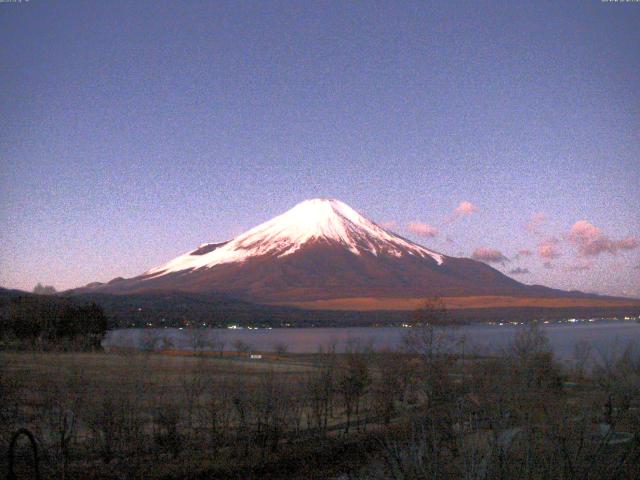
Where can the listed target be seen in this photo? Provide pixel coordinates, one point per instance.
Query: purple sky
(133, 131)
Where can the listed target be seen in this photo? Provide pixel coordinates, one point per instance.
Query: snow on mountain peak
(317, 219)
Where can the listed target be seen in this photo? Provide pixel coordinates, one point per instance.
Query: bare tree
(431, 331)
(198, 340)
(320, 387)
(582, 353)
(396, 372)
(352, 382)
(62, 399)
(148, 340)
(166, 343)
(532, 360)
(167, 433)
(617, 373)
(217, 342)
(241, 346)
(281, 348)
(220, 408)
(193, 388)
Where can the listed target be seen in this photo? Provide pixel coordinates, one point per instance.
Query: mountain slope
(322, 249)
(318, 220)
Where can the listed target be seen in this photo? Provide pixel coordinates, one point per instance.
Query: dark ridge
(220, 310)
(175, 309)
(209, 247)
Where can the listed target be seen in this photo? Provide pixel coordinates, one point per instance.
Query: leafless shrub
(508, 417)
(617, 372)
(219, 412)
(582, 355)
(167, 435)
(352, 382)
(116, 418)
(149, 339)
(56, 424)
(415, 454)
(218, 343)
(193, 388)
(198, 340)
(166, 343)
(241, 346)
(10, 400)
(533, 372)
(320, 386)
(433, 330)
(270, 406)
(388, 387)
(281, 348)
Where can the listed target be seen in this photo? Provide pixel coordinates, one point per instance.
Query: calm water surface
(603, 335)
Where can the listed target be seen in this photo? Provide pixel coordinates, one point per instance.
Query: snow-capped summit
(317, 220)
(320, 249)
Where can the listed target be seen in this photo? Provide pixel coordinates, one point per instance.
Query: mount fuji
(322, 250)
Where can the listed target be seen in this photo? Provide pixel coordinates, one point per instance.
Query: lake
(603, 335)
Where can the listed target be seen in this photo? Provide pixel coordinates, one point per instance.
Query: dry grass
(376, 303)
(135, 388)
(111, 370)
(201, 416)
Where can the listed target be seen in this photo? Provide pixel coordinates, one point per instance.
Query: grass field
(373, 416)
(167, 407)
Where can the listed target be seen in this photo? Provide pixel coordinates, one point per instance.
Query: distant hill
(177, 309)
(323, 255)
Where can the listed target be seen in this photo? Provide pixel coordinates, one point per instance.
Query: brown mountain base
(372, 303)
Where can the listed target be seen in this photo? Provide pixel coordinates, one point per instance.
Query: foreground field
(171, 414)
(401, 415)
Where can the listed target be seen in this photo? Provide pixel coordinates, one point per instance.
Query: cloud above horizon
(465, 208)
(590, 241)
(537, 219)
(423, 229)
(489, 255)
(548, 249)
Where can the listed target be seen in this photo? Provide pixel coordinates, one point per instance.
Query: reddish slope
(322, 250)
(321, 270)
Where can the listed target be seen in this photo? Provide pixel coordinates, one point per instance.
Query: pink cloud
(590, 241)
(489, 255)
(537, 219)
(423, 229)
(548, 250)
(465, 208)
